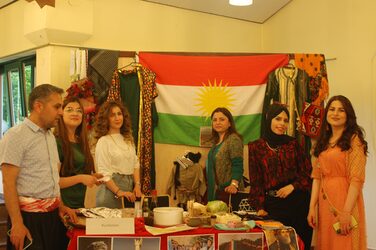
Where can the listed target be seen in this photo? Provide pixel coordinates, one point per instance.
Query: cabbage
(216, 207)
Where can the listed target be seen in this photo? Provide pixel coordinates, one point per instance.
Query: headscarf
(272, 138)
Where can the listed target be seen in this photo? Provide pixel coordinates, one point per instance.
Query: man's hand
(65, 211)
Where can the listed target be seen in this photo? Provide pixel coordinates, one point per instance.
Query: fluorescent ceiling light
(241, 2)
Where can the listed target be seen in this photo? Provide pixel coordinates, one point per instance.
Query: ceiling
(258, 12)
(4, 3)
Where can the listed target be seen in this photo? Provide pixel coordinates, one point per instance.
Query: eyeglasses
(71, 110)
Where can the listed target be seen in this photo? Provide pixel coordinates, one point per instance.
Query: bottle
(146, 213)
(154, 200)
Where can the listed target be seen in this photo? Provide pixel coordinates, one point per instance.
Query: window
(17, 81)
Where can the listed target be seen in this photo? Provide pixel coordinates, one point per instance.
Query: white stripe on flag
(183, 100)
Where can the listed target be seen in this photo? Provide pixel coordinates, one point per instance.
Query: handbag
(310, 121)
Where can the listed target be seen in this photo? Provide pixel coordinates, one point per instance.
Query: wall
(11, 27)
(346, 32)
(342, 30)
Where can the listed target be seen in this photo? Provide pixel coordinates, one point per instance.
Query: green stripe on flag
(180, 129)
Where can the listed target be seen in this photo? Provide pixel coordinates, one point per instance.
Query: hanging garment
(314, 65)
(100, 71)
(288, 86)
(136, 89)
(191, 183)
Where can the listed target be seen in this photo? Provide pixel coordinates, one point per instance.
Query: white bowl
(168, 216)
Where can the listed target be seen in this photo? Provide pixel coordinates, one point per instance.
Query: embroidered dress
(136, 89)
(340, 169)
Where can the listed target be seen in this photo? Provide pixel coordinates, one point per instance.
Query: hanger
(289, 66)
(132, 64)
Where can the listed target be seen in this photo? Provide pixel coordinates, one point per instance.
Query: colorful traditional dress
(339, 170)
(273, 168)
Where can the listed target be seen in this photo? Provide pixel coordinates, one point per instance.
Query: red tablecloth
(141, 232)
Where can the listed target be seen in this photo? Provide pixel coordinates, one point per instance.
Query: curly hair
(231, 129)
(81, 135)
(102, 126)
(351, 128)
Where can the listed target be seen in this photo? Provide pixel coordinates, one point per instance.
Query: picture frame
(198, 241)
(241, 241)
(94, 242)
(281, 237)
(138, 243)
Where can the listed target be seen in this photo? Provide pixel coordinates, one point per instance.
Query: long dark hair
(102, 126)
(351, 128)
(81, 135)
(231, 129)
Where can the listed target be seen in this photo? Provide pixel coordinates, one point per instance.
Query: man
(283, 240)
(29, 162)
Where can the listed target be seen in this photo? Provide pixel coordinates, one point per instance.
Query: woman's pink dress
(340, 170)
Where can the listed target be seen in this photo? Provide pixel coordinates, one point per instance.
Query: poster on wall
(202, 241)
(241, 241)
(205, 136)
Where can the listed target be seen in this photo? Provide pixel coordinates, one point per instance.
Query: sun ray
(213, 94)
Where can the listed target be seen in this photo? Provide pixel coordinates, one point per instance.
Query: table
(141, 232)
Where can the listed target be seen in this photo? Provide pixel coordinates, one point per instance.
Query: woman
(338, 178)
(224, 166)
(77, 165)
(115, 156)
(280, 175)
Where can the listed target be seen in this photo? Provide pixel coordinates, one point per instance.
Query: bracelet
(235, 185)
(137, 183)
(117, 191)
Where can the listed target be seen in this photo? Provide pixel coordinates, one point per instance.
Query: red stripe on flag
(198, 70)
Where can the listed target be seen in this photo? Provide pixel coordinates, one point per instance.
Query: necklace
(119, 146)
(332, 143)
(272, 149)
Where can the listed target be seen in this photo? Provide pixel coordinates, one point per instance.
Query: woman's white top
(115, 155)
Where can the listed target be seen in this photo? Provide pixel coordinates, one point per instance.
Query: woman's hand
(262, 212)
(311, 217)
(129, 195)
(88, 180)
(285, 191)
(231, 189)
(98, 176)
(137, 190)
(344, 220)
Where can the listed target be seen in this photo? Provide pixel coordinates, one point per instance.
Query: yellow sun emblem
(213, 95)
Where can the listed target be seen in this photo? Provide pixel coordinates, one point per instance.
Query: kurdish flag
(190, 87)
